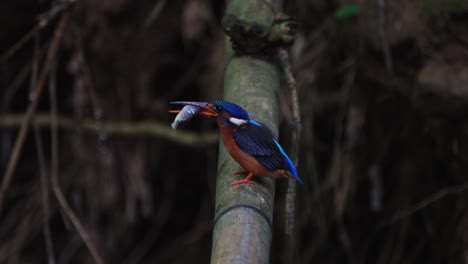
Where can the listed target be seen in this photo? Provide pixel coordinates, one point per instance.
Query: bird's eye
(219, 108)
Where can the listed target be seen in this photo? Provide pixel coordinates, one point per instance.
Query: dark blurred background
(383, 88)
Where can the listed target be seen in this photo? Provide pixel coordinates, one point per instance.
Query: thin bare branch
(44, 196)
(295, 135)
(54, 173)
(43, 20)
(424, 203)
(143, 128)
(34, 98)
(154, 14)
(13, 88)
(20, 43)
(42, 167)
(383, 36)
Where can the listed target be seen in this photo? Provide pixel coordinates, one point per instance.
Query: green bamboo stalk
(244, 213)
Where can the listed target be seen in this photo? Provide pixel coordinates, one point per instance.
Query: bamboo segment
(243, 216)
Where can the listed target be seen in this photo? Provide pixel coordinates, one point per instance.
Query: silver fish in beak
(187, 113)
(190, 110)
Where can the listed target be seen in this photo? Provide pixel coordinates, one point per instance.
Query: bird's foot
(244, 181)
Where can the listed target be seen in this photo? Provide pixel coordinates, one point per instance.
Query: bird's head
(229, 112)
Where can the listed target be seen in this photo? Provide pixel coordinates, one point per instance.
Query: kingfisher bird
(250, 143)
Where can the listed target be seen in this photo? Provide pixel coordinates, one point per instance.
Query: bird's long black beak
(205, 108)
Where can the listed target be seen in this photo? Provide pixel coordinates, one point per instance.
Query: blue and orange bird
(250, 143)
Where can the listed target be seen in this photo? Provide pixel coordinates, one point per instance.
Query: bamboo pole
(244, 213)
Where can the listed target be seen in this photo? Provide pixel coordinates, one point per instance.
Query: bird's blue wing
(258, 141)
(255, 140)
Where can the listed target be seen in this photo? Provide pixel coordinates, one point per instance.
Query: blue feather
(270, 162)
(289, 163)
(253, 122)
(235, 110)
(249, 141)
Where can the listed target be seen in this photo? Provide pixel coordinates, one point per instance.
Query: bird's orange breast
(247, 161)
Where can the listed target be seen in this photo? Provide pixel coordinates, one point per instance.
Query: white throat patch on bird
(238, 121)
